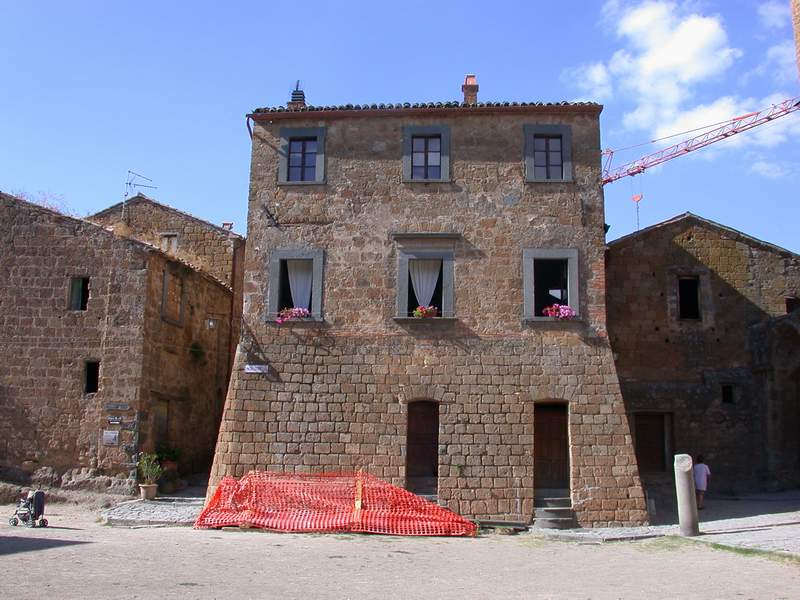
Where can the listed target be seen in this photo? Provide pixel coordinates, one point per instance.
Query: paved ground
(78, 557)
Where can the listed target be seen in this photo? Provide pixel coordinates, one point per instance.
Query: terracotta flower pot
(147, 491)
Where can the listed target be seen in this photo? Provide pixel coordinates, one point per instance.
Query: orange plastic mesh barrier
(327, 503)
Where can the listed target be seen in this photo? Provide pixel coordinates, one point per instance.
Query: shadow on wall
(705, 374)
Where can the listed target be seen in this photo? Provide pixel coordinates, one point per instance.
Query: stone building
(109, 346)
(489, 212)
(707, 352)
(209, 248)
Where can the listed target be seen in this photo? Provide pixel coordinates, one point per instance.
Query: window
(792, 304)
(79, 293)
(295, 281)
(548, 152)
(549, 276)
(425, 278)
(91, 379)
(172, 298)
(728, 393)
(169, 243)
(301, 159)
(426, 153)
(426, 157)
(653, 434)
(689, 298)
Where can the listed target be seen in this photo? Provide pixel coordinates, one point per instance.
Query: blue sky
(93, 89)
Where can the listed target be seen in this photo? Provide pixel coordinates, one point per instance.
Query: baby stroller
(30, 510)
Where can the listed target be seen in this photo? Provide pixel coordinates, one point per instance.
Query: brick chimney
(298, 100)
(470, 89)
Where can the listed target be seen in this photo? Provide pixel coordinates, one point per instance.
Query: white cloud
(774, 14)
(778, 64)
(770, 170)
(666, 51)
(594, 80)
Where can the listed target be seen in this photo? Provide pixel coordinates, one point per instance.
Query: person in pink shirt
(702, 474)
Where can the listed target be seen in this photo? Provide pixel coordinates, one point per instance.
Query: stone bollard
(687, 502)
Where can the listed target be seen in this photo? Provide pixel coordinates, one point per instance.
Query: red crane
(732, 127)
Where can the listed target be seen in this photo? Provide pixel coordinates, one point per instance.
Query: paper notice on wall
(110, 438)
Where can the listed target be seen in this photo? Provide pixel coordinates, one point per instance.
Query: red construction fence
(355, 502)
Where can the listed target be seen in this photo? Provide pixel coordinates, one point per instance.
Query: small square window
(728, 393)
(548, 152)
(295, 281)
(169, 243)
(91, 379)
(792, 304)
(550, 276)
(689, 298)
(79, 293)
(302, 155)
(426, 153)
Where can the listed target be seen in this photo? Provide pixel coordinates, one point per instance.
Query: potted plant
(560, 312)
(149, 472)
(289, 314)
(168, 458)
(425, 312)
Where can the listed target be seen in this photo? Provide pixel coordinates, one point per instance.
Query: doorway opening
(551, 447)
(422, 448)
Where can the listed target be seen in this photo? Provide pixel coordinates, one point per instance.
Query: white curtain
(300, 278)
(424, 275)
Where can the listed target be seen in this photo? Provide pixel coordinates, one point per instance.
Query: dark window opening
(548, 162)
(422, 448)
(792, 304)
(652, 433)
(302, 162)
(426, 157)
(285, 298)
(436, 299)
(92, 376)
(169, 243)
(79, 293)
(550, 278)
(727, 393)
(689, 297)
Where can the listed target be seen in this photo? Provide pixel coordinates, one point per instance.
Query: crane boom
(732, 127)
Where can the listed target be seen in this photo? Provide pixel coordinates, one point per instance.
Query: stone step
(555, 523)
(553, 513)
(563, 502)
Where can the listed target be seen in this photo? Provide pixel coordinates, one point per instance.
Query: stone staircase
(552, 509)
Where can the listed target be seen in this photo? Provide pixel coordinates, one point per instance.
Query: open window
(91, 376)
(79, 293)
(295, 281)
(550, 276)
(689, 298)
(425, 279)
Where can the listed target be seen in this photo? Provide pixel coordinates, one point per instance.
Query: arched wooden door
(422, 448)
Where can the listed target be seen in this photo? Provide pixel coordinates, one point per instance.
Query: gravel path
(81, 558)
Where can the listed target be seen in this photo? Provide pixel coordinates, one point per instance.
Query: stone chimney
(470, 89)
(298, 100)
(227, 225)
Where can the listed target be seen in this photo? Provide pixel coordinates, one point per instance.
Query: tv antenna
(132, 183)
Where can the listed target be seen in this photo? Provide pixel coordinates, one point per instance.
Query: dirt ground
(77, 557)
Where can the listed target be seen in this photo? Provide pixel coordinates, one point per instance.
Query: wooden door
(550, 446)
(422, 448)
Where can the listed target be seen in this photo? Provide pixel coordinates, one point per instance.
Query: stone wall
(46, 419)
(185, 372)
(338, 395)
(677, 367)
